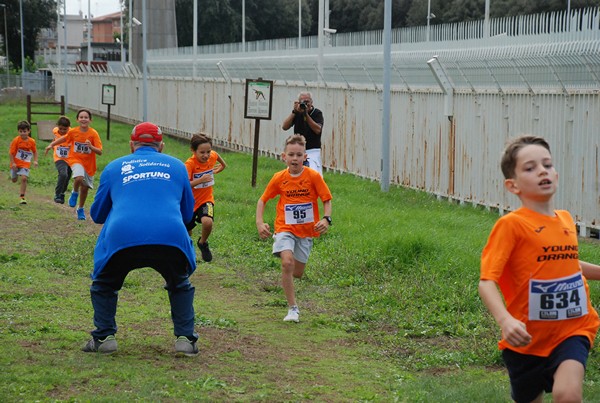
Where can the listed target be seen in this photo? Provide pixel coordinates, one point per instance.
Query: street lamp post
(321, 40)
(89, 38)
(299, 24)
(144, 63)
(428, 19)
(6, 43)
(22, 42)
(195, 39)
(65, 54)
(121, 6)
(130, 26)
(486, 20)
(569, 15)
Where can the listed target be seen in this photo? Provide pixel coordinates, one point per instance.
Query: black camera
(303, 105)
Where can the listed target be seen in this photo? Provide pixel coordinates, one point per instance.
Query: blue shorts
(530, 375)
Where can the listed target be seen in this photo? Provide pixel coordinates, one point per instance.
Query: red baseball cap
(146, 132)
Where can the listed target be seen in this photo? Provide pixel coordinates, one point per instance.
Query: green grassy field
(390, 310)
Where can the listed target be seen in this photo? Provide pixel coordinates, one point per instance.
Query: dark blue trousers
(64, 176)
(170, 262)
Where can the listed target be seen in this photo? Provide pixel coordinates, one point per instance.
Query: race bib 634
(557, 299)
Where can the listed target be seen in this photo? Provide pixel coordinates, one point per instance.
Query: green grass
(389, 302)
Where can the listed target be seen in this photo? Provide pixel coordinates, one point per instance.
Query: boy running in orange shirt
(22, 151)
(84, 144)
(297, 219)
(543, 306)
(202, 167)
(61, 154)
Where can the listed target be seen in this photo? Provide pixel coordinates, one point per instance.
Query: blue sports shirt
(143, 199)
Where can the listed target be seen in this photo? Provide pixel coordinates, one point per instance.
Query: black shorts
(205, 210)
(530, 375)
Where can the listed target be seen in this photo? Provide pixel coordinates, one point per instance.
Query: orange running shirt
(535, 261)
(79, 152)
(61, 151)
(22, 151)
(297, 209)
(203, 192)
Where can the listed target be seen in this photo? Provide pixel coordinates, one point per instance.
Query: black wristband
(328, 218)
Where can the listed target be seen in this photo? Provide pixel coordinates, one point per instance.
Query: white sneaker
(293, 315)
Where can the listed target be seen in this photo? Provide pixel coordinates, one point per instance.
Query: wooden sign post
(258, 105)
(109, 97)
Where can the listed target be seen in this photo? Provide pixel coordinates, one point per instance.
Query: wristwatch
(328, 218)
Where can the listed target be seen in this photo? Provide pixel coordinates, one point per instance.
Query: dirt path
(244, 344)
(46, 220)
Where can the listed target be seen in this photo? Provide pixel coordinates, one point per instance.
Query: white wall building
(51, 42)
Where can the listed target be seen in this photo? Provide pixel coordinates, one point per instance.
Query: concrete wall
(161, 29)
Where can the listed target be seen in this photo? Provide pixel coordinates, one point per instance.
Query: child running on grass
(543, 307)
(22, 151)
(61, 155)
(296, 221)
(202, 167)
(84, 144)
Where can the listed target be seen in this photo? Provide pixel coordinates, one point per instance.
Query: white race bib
(61, 151)
(299, 213)
(24, 155)
(81, 148)
(211, 182)
(557, 299)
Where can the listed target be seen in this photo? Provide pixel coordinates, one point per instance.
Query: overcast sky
(98, 7)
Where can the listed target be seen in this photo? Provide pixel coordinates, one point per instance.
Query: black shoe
(60, 199)
(205, 251)
(106, 346)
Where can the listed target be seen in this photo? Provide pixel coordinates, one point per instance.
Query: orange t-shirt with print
(61, 151)
(79, 152)
(23, 151)
(203, 192)
(297, 210)
(534, 259)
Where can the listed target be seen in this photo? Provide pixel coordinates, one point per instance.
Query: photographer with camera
(307, 121)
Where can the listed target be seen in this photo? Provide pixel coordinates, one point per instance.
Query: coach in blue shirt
(143, 200)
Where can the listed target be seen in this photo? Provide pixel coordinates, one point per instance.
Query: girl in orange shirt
(85, 144)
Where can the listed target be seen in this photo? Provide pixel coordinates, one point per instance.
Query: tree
(262, 14)
(220, 20)
(468, 10)
(37, 14)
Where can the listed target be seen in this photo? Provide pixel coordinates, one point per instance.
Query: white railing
(581, 20)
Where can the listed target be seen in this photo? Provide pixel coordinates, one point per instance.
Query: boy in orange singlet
(84, 144)
(202, 167)
(548, 323)
(297, 219)
(22, 151)
(61, 155)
